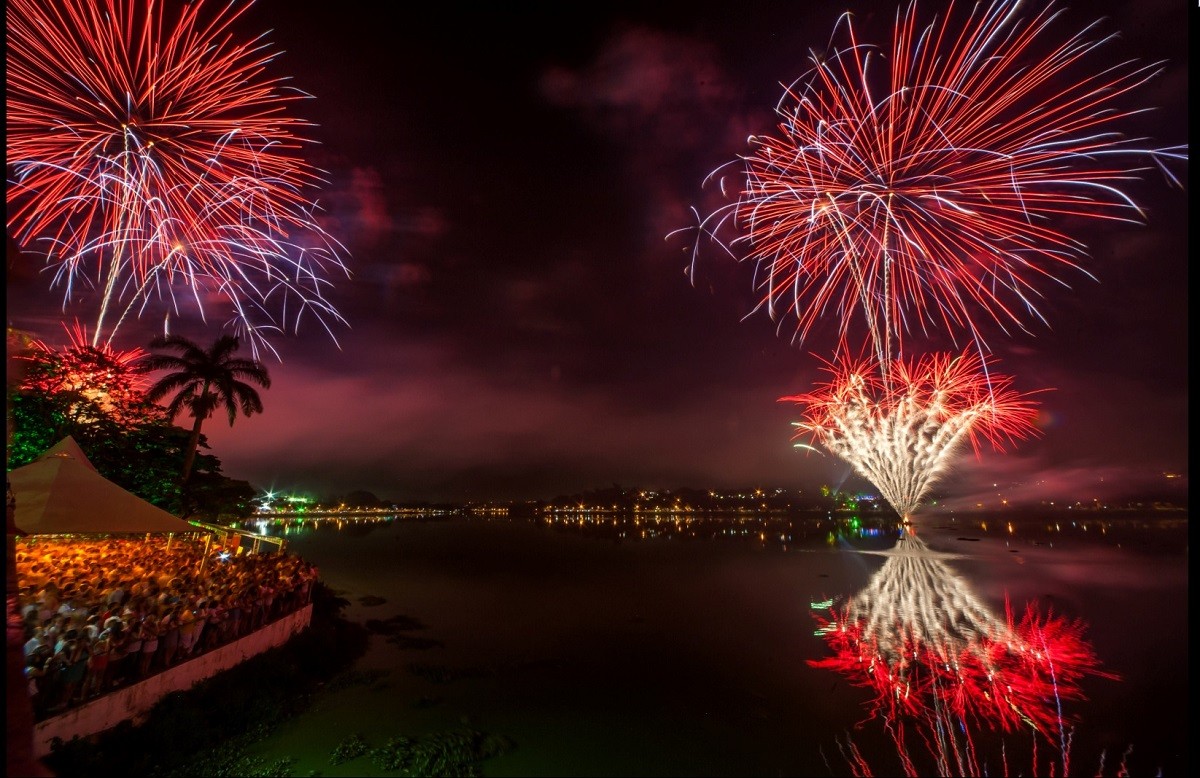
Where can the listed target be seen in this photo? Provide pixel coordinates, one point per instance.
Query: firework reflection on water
(945, 672)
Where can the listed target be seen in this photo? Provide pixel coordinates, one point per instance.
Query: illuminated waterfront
(675, 645)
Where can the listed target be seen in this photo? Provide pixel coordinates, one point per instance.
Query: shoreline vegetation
(211, 729)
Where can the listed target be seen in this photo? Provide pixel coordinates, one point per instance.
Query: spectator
(74, 668)
(35, 673)
(97, 672)
(149, 633)
(32, 644)
(168, 642)
(52, 681)
(188, 630)
(127, 665)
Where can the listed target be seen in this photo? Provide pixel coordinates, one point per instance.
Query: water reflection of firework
(944, 670)
(900, 432)
(153, 160)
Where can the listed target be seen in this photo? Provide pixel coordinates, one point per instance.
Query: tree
(97, 395)
(215, 498)
(93, 393)
(202, 380)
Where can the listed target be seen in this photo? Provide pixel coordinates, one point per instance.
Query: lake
(609, 646)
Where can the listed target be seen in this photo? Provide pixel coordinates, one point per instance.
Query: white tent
(61, 493)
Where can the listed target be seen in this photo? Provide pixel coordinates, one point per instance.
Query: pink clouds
(373, 220)
(434, 416)
(642, 77)
(1012, 480)
(661, 97)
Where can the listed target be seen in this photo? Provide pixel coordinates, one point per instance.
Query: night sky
(520, 324)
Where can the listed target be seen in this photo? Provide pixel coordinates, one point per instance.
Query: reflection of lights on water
(939, 660)
(777, 531)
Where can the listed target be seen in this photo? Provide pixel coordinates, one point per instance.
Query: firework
(152, 159)
(923, 186)
(899, 428)
(107, 377)
(935, 657)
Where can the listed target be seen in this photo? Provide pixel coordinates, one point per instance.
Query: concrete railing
(135, 701)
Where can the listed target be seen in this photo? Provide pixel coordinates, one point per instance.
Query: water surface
(608, 647)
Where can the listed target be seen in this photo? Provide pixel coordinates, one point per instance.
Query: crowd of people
(103, 613)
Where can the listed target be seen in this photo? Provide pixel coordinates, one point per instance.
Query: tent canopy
(61, 493)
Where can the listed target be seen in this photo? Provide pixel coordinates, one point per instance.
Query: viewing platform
(135, 701)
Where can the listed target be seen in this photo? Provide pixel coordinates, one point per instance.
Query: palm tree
(203, 380)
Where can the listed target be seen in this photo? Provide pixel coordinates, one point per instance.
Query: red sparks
(925, 185)
(101, 374)
(936, 389)
(153, 158)
(995, 682)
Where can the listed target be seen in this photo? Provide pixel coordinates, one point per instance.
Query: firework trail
(942, 668)
(918, 186)
(149, 157)
(901, 432)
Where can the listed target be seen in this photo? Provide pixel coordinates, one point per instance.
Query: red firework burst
(924, 185)
(155, 160)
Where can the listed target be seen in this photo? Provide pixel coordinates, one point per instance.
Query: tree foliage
(201, 380)
(97, 395)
